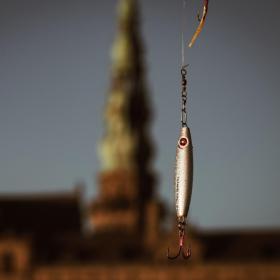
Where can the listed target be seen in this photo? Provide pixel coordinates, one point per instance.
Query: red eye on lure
(184, 156)
(183, 142)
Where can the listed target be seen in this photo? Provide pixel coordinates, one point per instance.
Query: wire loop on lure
(184, 96)
(201, 20)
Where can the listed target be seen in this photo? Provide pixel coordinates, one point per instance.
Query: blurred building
(126, 205)
(120, 234)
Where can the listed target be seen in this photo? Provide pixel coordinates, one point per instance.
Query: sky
(54, 79)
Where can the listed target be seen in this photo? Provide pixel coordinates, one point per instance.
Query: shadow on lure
(184, 157)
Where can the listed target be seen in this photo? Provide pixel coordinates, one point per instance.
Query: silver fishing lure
(184, 156)
(183, 172)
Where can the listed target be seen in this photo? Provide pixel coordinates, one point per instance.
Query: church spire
(126, 201)
(127, 113)
(123, 51)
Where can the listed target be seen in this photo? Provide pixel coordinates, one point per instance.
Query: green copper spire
(126, 113)
(123, 48)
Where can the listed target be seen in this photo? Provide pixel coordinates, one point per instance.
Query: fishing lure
(184, 157)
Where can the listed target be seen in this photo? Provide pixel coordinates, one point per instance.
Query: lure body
(183, 187)
(183, 174)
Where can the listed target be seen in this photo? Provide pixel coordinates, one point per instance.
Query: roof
(246, 244)
(40, 214)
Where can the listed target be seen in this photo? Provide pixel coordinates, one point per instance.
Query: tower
(126, 200)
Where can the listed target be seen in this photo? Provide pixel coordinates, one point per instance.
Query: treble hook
(201, 22)
(186, 254)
